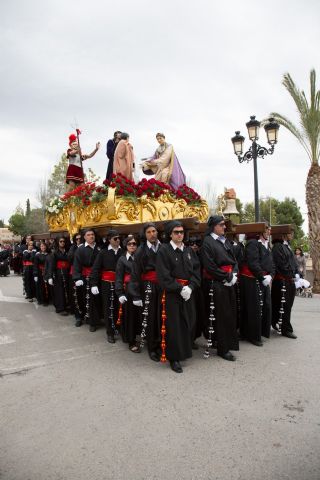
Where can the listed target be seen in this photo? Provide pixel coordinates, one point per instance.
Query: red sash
(108, 276)
(225, 268)
(86, 271)
(41, 266)
(26, 263)
(285, 278)
(71, 270)
(127, 278)
(182, 281)
(150, 276)
(245, 271)
(63, 264)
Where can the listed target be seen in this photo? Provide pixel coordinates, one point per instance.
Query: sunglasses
(115, 238)
(62, 241)
(78, 239)
(178, 232)
(132, 243)
(222, 224)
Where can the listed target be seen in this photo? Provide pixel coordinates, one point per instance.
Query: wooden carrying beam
(281, 229)
(258, 227)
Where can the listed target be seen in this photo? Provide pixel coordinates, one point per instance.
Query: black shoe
(92, 328)
(289, 335)
(256, 343)
(78, 323)
(195, 346)
(110, 339)
(154, 356)
(176, 367)
(228, 356)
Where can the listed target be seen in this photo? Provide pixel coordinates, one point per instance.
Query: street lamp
(255, 151)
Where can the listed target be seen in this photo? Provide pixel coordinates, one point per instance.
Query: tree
(36, 222)
(17, 222)
(57, 180)
(28, 208)
(308, 134)
(2, 225)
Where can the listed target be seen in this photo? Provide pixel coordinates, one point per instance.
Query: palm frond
(285, 122)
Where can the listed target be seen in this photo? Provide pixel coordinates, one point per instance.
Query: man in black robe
(111, 148)
(283, 287)
(84, 259)
(104, 276)
(178, 271)
(28, 279)
(257, 271)
(219, 278)
(59, 277)
(146, 291)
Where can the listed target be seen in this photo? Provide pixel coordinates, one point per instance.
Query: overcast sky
(195, 70)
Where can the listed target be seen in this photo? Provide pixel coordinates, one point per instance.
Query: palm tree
(308, 134)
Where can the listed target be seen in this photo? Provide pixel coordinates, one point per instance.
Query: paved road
(75, 407)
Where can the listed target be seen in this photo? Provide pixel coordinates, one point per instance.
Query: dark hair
(301, 251)
(75, 236)
(162, 135)
(128, 239)
(124, 136)
(88, 230)
(116, 133)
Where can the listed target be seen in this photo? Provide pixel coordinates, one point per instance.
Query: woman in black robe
(59, 273)
(42, 288)
(76, 299)
(28, 280)
(129, 315)
(178, 271)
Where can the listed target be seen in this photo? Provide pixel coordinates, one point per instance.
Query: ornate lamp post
(255, 151)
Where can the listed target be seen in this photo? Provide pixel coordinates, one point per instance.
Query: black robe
(286, 269)
(131, 315)
(173, 264)
(28, 280)
(144, 262)
(107, 260)
(42, 290)
(76, 302)
(84, 257)
(256, 318)
(214, 254)
(60, 280)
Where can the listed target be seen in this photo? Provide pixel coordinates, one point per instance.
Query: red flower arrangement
(88, 193)
(188, 194)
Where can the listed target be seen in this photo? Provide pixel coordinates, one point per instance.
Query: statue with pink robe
(164, 164)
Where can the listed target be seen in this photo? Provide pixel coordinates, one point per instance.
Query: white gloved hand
(298, 283)
(36, 279)
(50, 281)
(186, 293)
(304, 283)
(266, 280)
(234, 278)
(94, 290)
(122, 299)
(138, 303)
(297, 276)
(79, 283)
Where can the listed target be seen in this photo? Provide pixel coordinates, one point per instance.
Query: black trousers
(276, 295)
(61, 290)
(256, 318)
(225, 312)
(110, 306)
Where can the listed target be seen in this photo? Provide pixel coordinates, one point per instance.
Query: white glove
(304, 283)
(138, 303)
(122, 299)
(298, 283)
(36, 279)
(297, 276)
(94, 290)
(79, 283)
(50, 281)
(233, 280)
(186, 293)
(266, 280)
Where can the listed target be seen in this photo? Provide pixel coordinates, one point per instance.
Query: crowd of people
(164, 291)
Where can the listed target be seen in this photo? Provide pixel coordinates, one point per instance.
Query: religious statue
(164, 164)
(124, 157)
(75, 174)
